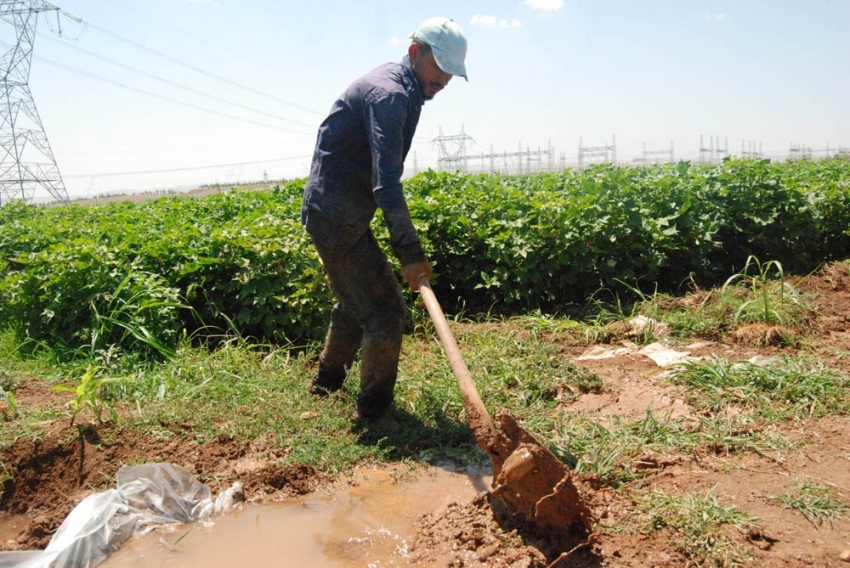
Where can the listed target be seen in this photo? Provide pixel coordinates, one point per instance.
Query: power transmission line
(162, 149)
(169, 99)
(202, 39)
(200, 70)
(452, 151)
(174, 83)
(26, 160)
(193, 168)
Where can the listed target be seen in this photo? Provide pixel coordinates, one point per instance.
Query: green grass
(626, 451)
(815, 502)
(258, 393)
(768, 299)
(783, 388)
(251, 391)
(758, 294)
(698, 523)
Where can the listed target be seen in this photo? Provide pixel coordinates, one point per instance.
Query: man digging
(356, 169)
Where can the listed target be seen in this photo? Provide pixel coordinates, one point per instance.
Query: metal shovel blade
(534, 486)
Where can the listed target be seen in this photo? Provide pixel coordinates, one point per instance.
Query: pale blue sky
(767, 72)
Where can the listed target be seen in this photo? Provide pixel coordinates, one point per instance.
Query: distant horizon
(116, 195)
(141, 94)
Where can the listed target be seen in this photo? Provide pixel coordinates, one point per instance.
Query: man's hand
(413, 272)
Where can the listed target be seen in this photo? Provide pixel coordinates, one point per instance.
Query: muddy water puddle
(11, 526)
(371, 523)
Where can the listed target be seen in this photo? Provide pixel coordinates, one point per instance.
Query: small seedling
(88, 394)
(11, 404)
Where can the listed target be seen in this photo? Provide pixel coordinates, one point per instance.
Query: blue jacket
(359, 160)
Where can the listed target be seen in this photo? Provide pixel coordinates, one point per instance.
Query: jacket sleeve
(386, 115)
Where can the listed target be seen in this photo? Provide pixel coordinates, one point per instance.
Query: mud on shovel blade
(534, 486)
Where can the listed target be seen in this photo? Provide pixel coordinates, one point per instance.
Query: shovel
(533, 485)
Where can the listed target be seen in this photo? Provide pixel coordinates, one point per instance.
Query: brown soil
(45, 476)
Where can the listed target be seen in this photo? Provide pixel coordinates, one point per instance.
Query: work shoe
(327, 381)
(383, 421)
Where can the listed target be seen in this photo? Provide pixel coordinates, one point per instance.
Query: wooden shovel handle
(479, 418)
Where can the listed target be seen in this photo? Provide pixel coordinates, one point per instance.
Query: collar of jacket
(411, 84)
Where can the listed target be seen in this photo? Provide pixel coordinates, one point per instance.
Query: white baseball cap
(447, 43)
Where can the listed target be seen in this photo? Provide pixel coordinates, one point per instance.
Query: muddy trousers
(369, 315)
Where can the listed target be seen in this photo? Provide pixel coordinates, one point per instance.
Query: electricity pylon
(453, 156)
(26, 160)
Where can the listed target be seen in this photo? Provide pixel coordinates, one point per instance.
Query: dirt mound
(476, 539)
(47, 477)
